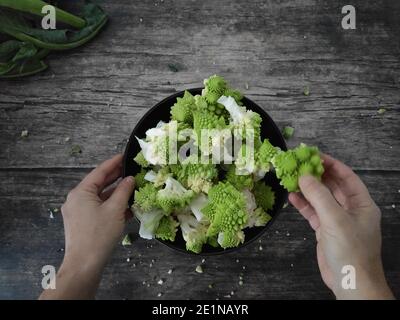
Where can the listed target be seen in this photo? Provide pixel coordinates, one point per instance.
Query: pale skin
(340, 210)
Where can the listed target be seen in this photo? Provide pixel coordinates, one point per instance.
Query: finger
(330, 182)
(118, 201)
(305, 209)
(321, 199)
(344, 175)
(106, 193)
(301, 204)
(105, 174)
(128, 215)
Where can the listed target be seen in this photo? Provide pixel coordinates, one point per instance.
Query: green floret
(167, 229)
(230, 239)
(146, 197)
(215, 84)
(239, 181)
(243, 120)
(235, 94)
(158, 177)
(226, 210)
(207, 120)
(173, 196)
(265, 154)
(193, 232)
(198, 177)
(182, 109)
(149, 221)
(213, 241)
(140, 160)
(258, 218)
(139, 179)
(265, 197)
(292, 164)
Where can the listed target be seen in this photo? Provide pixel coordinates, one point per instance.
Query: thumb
(120, 197)
(321, 199)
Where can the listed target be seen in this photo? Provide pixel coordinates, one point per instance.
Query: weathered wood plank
(31, 239)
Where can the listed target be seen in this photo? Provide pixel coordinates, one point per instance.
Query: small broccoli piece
(292, 164)
(182, 109)
(226, 211)
(146, 197)
(140, 160)
(193, 232)
(140, 179)
(235, 94)
(287, 132)
(263, 158)
(230, 239)
(155, 147)
(265, 197)
(239, 181)
(158, 178)
(173, 196)
(149, 221)
(213, 241)
(167, 229)
(243, 120)
(258, 218)
(196, 205)
(197, 176)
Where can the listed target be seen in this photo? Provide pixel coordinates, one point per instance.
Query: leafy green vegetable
(23, 54)
(35, 7)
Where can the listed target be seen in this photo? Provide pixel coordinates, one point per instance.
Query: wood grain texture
(93, 97)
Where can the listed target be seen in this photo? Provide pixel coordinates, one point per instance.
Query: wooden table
(94, 96)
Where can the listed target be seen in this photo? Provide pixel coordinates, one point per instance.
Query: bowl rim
(170, 244)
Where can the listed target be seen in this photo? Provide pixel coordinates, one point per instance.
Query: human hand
(94, 218)
(346, 222)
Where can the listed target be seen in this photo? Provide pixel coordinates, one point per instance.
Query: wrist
(369, 285)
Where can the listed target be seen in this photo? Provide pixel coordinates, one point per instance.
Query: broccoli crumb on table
(94, 96)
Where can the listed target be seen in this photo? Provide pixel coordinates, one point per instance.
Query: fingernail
(129, 179)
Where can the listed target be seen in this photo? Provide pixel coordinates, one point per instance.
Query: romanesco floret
(149, 221)
(146, 197)
(140, 181)
(193, 232)
(140, 160)
(264, 195)
(265, 154)
(158, 177)
(292, 164)
(173, 196)
(258, 218)
(182, 109)
(243, 120)
(239, 181)
(167, 228)
(197, 176)
(226, 211)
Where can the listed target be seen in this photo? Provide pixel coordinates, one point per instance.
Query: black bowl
(161, 112)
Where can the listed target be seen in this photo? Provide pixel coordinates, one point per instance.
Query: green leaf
(8, 49)
(14, 24)
(35, 7)
(23, 59)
